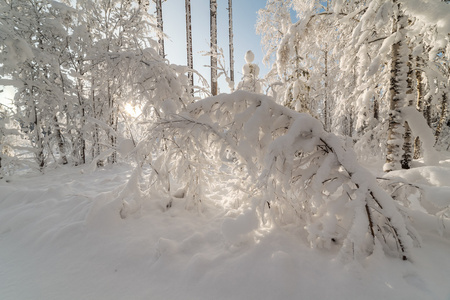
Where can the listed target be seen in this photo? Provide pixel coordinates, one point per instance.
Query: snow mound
(237, 229)
(432, 181)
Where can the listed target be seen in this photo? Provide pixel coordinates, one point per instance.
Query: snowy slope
(61, 237)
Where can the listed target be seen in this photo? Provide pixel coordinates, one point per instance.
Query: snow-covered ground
(61, 237)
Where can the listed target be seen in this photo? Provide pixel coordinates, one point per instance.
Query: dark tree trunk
(59, 141)
(407, 137)
(419, 103)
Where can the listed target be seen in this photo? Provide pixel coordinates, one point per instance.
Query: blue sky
(245, 38)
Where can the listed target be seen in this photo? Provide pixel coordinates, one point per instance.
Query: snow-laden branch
(296, 170)
(420, 128)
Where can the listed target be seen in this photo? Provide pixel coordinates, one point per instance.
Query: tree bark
(39, 153)
(397, 92)
(325, 103)
(61, 146)
(112, 124)
(96, 134)
(213, 34)
(190, 59)
(160, 26)
(59, 141)
(230, 37)
(419, 102)
(407, 137)
(443, 114)
(80, 140)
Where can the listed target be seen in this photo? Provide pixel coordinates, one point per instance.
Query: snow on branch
(297, 172)
(420, 128)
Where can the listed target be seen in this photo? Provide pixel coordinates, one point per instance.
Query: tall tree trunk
(350, 132)
(59, 140)
(230, 38)
(213, 34)
(190, 59)
(160, 26)
(376, 109)
(81, 137)
(407, 137)
(112, 124)
(397, 92)
(443, 114)
(96, 134)
(81, 143)
(325, 104)
(419, 102)
(39, 140)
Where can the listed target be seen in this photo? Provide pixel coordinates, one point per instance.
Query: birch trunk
(59, 140)
(213, 34)
(397, 92)
(407, 137)
(190, 59)
(96, 134)
(160, 26)
(112, 124)
(325, 104)
(39, 140)
(443, 114)
(81, 143)
(230, 37)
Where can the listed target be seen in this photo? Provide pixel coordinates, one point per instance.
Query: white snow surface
(61, 237)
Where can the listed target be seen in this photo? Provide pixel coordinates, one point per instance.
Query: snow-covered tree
(119, 32)
(336, 63)
(273, 23)
(39, 25)
(392, 42)
(307, 57)
(76, 68)
(250, 79)
(397, 89)
(295, 172)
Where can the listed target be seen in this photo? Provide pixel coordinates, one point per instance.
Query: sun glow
(133, 111)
